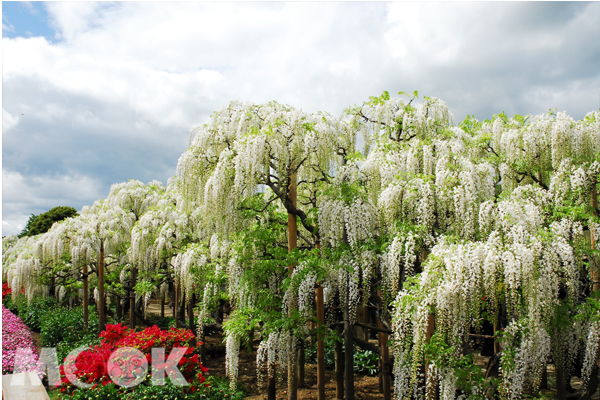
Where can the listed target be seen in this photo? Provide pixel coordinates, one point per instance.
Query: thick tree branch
(533, 177)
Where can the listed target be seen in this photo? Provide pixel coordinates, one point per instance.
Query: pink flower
(19, 354)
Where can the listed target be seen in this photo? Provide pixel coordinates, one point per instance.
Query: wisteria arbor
(102, 233)
(45, 265)
(135, 199)
(287, 153)
(448, 230)
(423, 190)
(77, 247)
(158, 238)
(511, 200)
(21, 266)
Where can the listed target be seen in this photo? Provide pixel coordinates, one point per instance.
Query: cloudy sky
(99, 93)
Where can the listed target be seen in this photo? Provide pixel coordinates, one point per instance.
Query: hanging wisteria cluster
(505, 246)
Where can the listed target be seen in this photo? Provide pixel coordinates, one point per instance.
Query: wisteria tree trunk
(101, 298)
(339, 366)
(272, 388)
(292, 244)
(320, 345)
(132, 300)
(119, 308)
(384, 366)
(191, 324)
(181, 307)
(561, 387)
(594, 203)
(428, 335)
(348, 344)
(86, 297)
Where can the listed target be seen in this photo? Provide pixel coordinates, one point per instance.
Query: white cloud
(114, 98)
(25, 195)
(30, 7)
(7, 26)
(8, 121)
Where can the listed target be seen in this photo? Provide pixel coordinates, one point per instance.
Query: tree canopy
(38, 224)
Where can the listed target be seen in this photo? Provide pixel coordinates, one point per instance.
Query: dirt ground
(37, 340)
(365, 387)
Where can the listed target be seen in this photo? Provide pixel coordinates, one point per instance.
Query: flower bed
(6, 290)
(15, 336)
(92, 365)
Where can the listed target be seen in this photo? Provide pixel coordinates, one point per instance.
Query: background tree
(38, 224)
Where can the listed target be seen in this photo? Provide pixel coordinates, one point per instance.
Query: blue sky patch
(26, 19)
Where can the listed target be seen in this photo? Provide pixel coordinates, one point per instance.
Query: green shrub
(108, 392)
(33, 314)
(8, 303)
(162, 323)
(18, 305)
(63, 328)
(69, 344)
(365, 361)
(311, 354)
(218, 391)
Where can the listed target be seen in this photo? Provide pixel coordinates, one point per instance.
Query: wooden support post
(86, 297)
(101, 298)
(119, 309)
(272, 387)
(544, 381)
(221, 311)
(339, 366)
(114, 299)
(52, 290)
(181, 307)
(497, 347)
(595, 272)
(429, 334)
(380, 373)
(174, 301)
(176, 306)
(384, 363)
(561, 387)
(348, 346)
(312, 326)
(320, 345)
(301, 362)
(250, 344)
(292, 244)
(366, 331)
(191, 316)
(361, 317)
(202, 349)
(132, 300)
